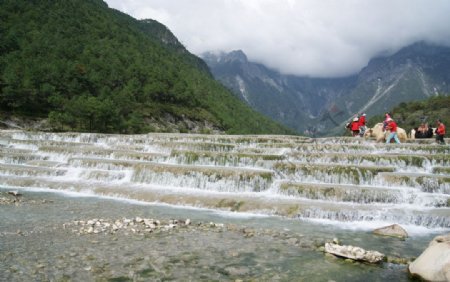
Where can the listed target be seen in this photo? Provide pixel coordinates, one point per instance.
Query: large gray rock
(393, 230)
(434, 263)
(354, 253)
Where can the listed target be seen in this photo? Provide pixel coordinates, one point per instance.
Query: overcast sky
(304, 37)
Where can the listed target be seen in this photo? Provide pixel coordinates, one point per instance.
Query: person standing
(440, 132)
(392, 127)
(355, 127)
(385, 122)
(362, 124)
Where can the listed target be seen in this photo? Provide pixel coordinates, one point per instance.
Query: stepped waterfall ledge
(215, 207)
(332, 180)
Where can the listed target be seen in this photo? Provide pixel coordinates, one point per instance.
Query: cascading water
(334, 179)
(280, 197)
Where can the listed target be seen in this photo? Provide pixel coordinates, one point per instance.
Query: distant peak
(237, 55)
(233, 56)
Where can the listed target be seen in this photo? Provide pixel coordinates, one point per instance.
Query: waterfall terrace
(317, 187)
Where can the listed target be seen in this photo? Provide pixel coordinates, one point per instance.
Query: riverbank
(43, 239)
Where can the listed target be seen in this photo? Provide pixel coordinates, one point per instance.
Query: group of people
(358, 128)
(424, 131)
(358, 125)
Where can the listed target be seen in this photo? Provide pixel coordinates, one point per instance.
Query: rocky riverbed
(50, 237)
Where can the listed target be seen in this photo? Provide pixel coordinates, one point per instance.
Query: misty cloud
(302, 37)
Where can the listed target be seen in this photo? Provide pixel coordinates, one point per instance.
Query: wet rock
(354, 253)
(434, 263)
(292, 241)
(336, 241)
(248, 232)
(237, 270)
(393, 230)
(14, 193)
(136, 225)
(184, 222)
(212, 224)
(7, 201)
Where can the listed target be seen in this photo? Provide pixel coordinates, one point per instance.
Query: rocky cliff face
(323, 105)
(293, 101)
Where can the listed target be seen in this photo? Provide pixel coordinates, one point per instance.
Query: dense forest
(412, 114)
(87, 67)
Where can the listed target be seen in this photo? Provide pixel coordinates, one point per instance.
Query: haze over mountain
(325, 38)
(323, 105)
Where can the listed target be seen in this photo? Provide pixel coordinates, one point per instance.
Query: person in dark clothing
(362, 124)
(424, 131)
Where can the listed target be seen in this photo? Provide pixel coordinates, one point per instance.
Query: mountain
(87, 67)
(416, 72)
(323, 105)
(293, 101)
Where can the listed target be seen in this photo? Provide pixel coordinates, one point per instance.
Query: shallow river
(38, 243)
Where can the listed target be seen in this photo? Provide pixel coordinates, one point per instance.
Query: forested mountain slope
(91, 68)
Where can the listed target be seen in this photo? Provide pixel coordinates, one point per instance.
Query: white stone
(355, 253)
(434, 263)
(393, 230)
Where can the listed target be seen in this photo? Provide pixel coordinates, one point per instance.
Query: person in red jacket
(354, 127)
(392, 127)
(440, 132)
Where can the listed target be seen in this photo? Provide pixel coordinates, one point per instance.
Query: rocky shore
(133, 249)
(58, 239)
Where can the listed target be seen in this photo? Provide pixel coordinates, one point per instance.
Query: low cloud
(326, 38)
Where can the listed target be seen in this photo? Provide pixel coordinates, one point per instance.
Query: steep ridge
(331, 179)
(86, 67)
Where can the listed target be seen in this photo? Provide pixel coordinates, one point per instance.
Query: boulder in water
(434, 263)
(354, 253)
(393, 230)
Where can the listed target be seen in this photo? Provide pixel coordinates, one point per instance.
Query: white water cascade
(340, 180)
